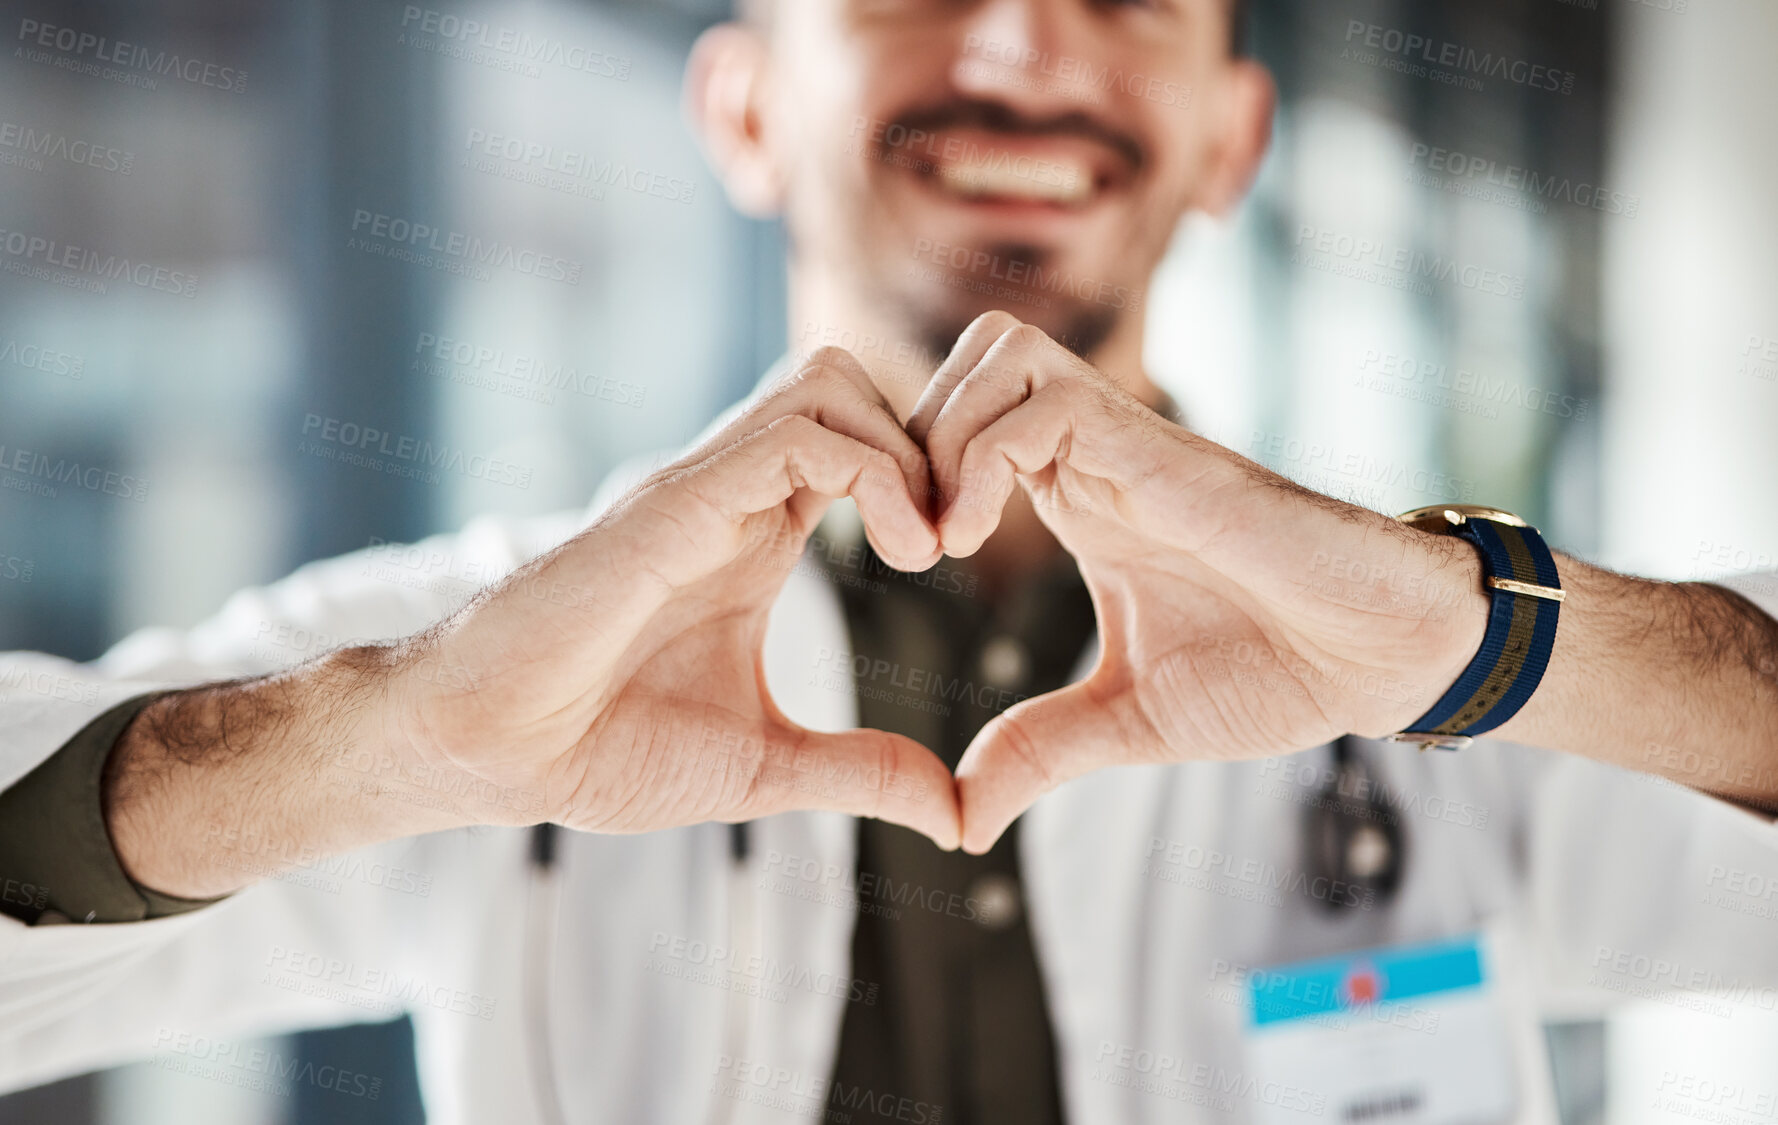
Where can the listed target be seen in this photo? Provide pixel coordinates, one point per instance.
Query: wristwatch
(1526, 596)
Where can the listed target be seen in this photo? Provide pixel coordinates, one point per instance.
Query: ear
(1246, 134)
(725, 86)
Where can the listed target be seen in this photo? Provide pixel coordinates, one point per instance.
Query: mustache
(963, 113)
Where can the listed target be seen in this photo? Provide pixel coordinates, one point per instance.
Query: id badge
(1398, 1035)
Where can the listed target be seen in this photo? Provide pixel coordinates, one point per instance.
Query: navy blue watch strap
(1526, 598)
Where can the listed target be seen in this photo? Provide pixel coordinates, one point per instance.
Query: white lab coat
(1572, 860)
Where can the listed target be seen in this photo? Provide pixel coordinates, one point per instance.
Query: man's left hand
(1230, 625)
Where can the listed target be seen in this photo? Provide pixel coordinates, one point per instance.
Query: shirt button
(1005, 663)
(995, 898)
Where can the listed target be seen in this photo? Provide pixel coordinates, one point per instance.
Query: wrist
(1617, 632)
(447, 743)
(213, 788)
(1524, 596)
(1462, 607)
(1450, 619)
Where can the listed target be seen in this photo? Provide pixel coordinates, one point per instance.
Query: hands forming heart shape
(1240, 615)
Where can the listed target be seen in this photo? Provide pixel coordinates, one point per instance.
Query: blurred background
(1561, 300)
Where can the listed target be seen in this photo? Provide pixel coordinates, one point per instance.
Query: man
(680, 662)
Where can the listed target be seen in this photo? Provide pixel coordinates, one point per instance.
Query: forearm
(1679, 679)
(213, 788)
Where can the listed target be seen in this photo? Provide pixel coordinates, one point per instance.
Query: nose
(1027, 54)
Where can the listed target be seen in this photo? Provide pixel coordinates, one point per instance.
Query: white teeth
(1040, 181)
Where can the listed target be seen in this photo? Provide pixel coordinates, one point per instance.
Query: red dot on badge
(1363, 986)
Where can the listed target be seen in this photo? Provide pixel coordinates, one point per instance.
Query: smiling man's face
(940, 158)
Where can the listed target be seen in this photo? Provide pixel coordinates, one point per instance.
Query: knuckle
(827, 383)
(1027, 337)
(1080, 394)
(829, 356)
(997, 321)
(969, 458)
(880, 411)
(882, 469)
(779, 399)
(792, 428)
(944, 445)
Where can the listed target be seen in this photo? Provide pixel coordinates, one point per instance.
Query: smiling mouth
(973, 166)
(1002, 178)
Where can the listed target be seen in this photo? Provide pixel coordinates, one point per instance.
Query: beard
(935, 312)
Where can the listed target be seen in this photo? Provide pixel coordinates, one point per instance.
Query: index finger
(830, 386)
(981, 335)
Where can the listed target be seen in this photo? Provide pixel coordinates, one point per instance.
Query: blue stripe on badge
(1334, 984)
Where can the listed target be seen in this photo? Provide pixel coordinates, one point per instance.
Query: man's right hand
(637, 703)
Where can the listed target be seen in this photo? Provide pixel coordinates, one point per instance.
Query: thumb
(1028, 750)
(869, 773)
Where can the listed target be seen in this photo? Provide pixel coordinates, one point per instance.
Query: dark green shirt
(56, 859)
(960, 1025)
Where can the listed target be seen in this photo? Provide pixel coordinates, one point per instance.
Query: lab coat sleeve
(1643, 887)
(330, 943)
